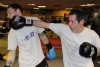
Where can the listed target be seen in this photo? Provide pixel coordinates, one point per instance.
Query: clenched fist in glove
(18, 22)
(87, 50)
(51, 52)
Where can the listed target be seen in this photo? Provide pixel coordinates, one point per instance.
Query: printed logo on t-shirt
(27, 37)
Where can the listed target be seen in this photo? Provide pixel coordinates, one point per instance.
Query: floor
(52, 63)
(57, 62)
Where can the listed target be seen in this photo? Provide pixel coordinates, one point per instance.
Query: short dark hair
(15, 7)
(80, 14)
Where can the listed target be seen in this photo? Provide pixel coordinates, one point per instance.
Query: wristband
(49, 46)
(6, 66)
(29, 22)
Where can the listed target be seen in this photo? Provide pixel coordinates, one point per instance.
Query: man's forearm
(51, 51)
(41, 24)
(45, 41)
(11, 58)
(44, 38)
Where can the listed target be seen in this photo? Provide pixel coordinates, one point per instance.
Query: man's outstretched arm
(40, 24)
(18, 22)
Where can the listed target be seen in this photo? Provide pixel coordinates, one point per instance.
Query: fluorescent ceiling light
(68, 8)
(35, 8)
(3, 5)
(83, 5)
(41, 6)
(31, 4)
(90, 4)
(87, 5)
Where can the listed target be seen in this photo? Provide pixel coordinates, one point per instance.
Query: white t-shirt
(28, 42)
(71, 42)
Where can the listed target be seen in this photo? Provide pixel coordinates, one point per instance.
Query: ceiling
(51, 4)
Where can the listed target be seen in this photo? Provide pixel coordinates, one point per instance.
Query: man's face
(74, 25)
(11, 12)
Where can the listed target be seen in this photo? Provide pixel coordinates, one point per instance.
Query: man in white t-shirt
(72, 36)
(28, 41)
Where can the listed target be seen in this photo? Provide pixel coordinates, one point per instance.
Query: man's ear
(82, 22)
(18, 12)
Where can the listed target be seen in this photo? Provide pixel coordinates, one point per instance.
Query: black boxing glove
(87, 50)
(18, 22)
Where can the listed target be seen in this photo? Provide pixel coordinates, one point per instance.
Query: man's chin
(73, 31)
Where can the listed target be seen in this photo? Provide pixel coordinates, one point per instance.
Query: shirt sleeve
(57, 28)
(96, 40)
(12, 41)
(40, 30)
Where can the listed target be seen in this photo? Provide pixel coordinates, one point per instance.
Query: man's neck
(81, 30)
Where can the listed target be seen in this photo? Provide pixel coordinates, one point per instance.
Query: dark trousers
(43, 64)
